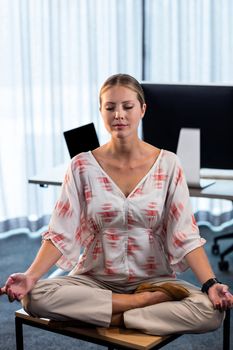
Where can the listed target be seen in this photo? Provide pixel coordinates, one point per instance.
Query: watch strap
(209, 283)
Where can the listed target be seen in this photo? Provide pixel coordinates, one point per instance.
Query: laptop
(81, 139)
(188, 151)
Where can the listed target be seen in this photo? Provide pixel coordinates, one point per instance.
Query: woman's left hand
(220, 297)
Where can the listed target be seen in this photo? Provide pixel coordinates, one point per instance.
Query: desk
(221, 189)
(53, 176)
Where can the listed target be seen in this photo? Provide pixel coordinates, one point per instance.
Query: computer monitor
(81, 139)
(171, 107)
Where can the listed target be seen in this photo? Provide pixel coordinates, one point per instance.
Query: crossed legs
(67, 298)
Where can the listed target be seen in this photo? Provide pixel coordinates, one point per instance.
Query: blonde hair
(125, 80)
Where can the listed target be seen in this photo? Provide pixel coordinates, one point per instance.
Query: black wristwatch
(206, 286)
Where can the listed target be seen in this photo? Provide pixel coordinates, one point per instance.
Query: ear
(143, 110)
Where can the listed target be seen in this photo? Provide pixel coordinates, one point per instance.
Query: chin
(122, 135)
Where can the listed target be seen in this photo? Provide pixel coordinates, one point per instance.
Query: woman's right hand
(17, 286)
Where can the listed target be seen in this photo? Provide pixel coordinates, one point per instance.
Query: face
(121, 111)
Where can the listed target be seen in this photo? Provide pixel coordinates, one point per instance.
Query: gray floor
(17, 252)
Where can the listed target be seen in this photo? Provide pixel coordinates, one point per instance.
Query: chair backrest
(81, 139)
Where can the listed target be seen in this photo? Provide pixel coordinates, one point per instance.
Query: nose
(118, 115)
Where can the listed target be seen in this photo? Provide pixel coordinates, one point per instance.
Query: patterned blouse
(103, 233)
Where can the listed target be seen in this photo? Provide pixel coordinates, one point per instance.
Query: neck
(123, 149)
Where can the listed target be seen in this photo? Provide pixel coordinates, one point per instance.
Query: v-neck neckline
(115, 184)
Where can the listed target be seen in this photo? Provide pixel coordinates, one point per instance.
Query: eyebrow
(128, 101)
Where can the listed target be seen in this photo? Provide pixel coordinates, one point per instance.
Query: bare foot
(151, 298)
(124, 302)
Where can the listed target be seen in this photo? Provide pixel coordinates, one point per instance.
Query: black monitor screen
(208, 107)
(81, 139)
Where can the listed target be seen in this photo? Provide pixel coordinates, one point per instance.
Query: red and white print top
(101, 232)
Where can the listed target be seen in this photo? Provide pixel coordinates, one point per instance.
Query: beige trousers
(86, 299)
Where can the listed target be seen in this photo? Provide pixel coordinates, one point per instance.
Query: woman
(126, 204)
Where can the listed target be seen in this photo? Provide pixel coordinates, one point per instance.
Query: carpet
(17, 252)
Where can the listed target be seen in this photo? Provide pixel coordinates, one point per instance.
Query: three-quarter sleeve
(181, 231)
(65, 221)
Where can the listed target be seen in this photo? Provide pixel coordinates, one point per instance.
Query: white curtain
(190, 41)
(54, 55)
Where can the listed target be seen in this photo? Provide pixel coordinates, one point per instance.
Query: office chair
(223, 264)
(81, 139)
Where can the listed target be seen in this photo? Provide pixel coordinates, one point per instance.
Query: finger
(11, 295)
(221, 307)
(224, 305)
(13, 277)
(10, 299)
(21, 296)
(3, 290)
(224, 289)
(227, 301)
(217, 306)
(8, 284)
(230, 304)
(17, 296)
(228, 295)
(10, 281)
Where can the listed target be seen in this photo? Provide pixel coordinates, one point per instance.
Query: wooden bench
(112, 338)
